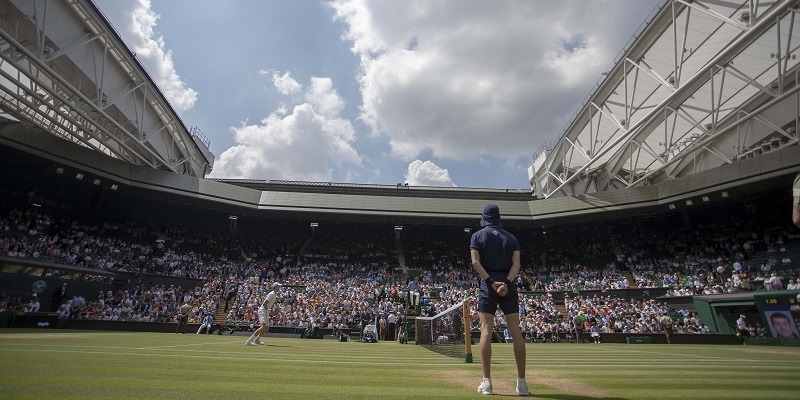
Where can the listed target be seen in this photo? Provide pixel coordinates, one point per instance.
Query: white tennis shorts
(263, 316)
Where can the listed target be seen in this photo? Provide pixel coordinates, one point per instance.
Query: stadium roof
(373, 189)
(23, 149)
(65, 70)
(704, 84)
(702, 107)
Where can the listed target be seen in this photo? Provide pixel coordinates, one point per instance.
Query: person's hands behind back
(501, 288)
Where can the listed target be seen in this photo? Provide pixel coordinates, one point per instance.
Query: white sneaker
(249, 343)
(522, 388)
(485, 387)
(259, 342)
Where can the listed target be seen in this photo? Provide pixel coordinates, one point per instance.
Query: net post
(467, 332)
(416, 331)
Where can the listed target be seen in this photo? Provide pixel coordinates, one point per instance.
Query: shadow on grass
(274, 345)
(560, 397)
(572, 397)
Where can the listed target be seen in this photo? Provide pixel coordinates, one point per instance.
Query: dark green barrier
(5, 318)
(36, 320)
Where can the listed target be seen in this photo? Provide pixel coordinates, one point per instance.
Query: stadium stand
(338, 281)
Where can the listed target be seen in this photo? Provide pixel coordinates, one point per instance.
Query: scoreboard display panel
(781, 312)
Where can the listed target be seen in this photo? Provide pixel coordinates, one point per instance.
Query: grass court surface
(61, 364)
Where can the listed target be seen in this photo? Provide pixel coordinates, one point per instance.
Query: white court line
(699, 356)
(411, 361)
(171, 346)
(608, 359)
(52, 335)
(393, 362)
(388, 363)
(373, 355)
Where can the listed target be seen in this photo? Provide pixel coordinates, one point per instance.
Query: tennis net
(447, 333)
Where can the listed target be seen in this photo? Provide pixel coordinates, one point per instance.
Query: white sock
(487, 380)
(521, 381)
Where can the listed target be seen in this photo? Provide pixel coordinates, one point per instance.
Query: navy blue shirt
(496, 247)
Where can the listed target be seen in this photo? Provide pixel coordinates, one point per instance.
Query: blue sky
(434, 93)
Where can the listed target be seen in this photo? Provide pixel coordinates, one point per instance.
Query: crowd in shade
(154, 304)
(19, 304)
(337, 280)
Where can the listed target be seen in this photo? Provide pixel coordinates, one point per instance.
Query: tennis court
(123, 365)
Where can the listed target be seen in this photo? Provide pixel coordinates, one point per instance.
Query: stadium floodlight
(467, 230)
(79, 176)
(232, 223)
(398, 228)
(60, 170)
(689, 202)
(97, 182)
(672, 206)
(724, 195)
(314, 224)
(744, 17)
(114, 187)
(706, 199)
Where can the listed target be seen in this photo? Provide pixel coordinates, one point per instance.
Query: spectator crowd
(336, 280)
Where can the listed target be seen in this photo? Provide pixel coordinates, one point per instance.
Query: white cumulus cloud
(284, 83)
(427, 173)
(324, 99)
(136, 22)
(459, 79)
(308, 141)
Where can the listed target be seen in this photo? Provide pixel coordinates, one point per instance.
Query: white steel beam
(642, 128)
(67, 52)
(145, 153)
(710, 138)
(699, 6)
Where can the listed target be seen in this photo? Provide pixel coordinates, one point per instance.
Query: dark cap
(491, 215)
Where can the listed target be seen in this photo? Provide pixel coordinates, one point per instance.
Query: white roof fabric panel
(651, 74)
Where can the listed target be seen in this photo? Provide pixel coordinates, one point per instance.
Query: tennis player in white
(263, 316)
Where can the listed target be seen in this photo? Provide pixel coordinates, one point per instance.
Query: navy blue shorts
(488, 299)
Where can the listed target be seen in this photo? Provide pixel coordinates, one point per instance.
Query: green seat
(355, 330)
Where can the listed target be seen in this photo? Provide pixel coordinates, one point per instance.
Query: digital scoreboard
(781, 312)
